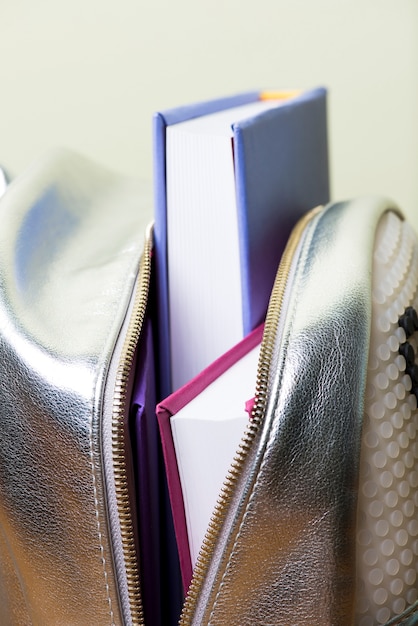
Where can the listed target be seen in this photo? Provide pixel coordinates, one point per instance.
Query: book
(201, 425)
(226, 201)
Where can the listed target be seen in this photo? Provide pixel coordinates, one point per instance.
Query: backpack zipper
(120, 406)
(261, 396)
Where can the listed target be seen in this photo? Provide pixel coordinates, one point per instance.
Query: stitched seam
(256, 482)
(98, 524)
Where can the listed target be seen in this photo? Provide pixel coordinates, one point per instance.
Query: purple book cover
(281, 172)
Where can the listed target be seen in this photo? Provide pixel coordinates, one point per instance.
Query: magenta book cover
(169, 407)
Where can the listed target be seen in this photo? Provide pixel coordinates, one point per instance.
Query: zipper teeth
(261, 395)
(118, 434)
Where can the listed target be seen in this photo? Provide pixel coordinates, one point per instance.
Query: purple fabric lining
(160, 578)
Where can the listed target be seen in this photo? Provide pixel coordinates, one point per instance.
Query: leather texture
(286, 551)
(70, 240)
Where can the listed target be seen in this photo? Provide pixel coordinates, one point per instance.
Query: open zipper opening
(261, 397)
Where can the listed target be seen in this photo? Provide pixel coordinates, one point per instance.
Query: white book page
(203, 240)
(206, 435)
(204, 278)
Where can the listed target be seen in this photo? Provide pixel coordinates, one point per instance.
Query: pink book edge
(169, 407)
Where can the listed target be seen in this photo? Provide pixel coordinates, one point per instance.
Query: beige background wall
(88, 74)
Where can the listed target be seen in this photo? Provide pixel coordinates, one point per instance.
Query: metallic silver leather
(71, 235)
(286, 552)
